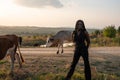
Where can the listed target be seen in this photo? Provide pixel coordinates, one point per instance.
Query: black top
(80, 39)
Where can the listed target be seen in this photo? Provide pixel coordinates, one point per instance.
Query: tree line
(109, 36)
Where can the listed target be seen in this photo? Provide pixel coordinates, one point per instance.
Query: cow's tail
(20, 40)
(19, 43)
(20, 54)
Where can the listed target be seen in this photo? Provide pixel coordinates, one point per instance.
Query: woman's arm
(73, 36)
(87, 39)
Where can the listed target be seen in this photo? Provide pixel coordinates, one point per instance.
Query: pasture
(45, 64)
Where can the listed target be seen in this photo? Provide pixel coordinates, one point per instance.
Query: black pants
(84, 53)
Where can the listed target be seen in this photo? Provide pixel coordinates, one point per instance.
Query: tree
(97, 32)
(118, 30)
(109, 31)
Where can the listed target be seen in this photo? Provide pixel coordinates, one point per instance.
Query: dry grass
(45, 64)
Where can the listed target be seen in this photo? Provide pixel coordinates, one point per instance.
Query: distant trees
(109, 36)
(34, 40)
(118, 31)
(109, 31)
(97, 32)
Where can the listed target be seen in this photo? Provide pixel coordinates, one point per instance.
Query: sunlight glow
(13, 14)
(6, 6)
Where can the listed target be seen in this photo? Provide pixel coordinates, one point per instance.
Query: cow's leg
(58, 48)
(12, 56)
(15, 53)
(62, 49)
(18, 59)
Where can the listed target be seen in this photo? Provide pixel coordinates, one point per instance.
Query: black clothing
(81, 49)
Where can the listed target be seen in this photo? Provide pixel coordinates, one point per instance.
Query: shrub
(109, 31)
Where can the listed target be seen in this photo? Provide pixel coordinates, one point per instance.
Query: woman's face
(80, 25)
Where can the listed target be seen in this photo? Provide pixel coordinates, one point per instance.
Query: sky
(60, 13)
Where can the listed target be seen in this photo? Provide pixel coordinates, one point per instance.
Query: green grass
(52, 76)
(2, 62)
(76, 76)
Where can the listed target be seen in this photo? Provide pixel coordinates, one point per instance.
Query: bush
(118, 30)
(109, 31)
(33, 43)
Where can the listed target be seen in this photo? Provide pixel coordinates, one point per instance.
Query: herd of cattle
(10, 43)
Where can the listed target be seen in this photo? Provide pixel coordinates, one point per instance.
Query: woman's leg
(87, 65)
(73, 65)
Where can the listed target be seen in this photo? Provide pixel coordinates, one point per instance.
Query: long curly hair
(76, 29)
(77, 23)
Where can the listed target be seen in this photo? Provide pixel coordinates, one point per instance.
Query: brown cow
(8, 46)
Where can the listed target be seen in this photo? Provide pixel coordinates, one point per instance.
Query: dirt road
(108, 50)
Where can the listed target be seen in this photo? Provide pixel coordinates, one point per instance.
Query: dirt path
(94, 51)
(108, 50)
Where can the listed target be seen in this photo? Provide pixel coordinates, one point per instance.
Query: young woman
(82, 42)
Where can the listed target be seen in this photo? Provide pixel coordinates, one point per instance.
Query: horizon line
(45, 27)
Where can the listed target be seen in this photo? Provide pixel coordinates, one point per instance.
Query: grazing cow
(59, 39)
(8, 46)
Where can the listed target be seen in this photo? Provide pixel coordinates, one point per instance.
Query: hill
(26, 30)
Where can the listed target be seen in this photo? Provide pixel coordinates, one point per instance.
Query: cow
(58, 39)
(8, 47)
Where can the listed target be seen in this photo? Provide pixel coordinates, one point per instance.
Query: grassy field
(45, 64)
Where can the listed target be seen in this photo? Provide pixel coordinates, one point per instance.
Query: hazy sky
(59, 13)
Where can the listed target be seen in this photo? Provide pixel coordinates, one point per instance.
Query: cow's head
(50, 41)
